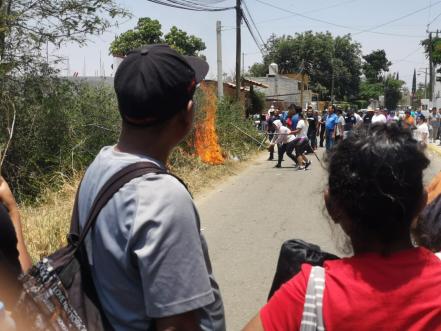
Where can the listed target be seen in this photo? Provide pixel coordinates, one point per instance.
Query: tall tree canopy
(321, 56)
(27, 25)
(375, 65)
(148, 31)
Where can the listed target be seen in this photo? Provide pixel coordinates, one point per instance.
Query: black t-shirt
(312, 121)
(367, 119)
(350, 121)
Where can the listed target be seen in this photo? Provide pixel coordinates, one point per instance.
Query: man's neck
(145, 143)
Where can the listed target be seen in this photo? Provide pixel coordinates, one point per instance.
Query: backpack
(58, 292)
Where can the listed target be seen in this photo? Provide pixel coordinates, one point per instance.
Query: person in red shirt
(375, 191)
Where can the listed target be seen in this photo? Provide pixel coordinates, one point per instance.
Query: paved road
(246, 219)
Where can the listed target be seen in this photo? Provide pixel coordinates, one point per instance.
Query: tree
(321, 57)
(258, 70)
(148, 31)
(392, 92)
(371, 90)
(184, 43)
(26, 26)
(375, 65)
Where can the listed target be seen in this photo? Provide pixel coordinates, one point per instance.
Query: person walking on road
(330, 126)
(148, 258)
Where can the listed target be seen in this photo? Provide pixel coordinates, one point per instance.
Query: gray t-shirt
(147, 255)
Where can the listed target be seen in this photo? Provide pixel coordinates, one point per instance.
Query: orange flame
(206, 140)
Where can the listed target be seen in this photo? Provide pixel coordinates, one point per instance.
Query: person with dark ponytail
(374, 193)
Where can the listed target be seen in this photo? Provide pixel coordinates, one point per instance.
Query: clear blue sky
(400, 39)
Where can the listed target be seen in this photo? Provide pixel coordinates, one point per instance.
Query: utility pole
(425, 83)
(333, 74)
(220, 83)
(243, 63)
(430, 66)
(238, 48)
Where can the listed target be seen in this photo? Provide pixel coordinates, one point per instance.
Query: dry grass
(46, 225)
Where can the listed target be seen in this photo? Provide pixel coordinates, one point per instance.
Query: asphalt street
(246, 219)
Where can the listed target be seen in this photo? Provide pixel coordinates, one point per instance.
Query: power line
(345, 26)
(431, 22)
(399, 18)
(190, 5)
(308, 11)
(252, 21)
(247, 23)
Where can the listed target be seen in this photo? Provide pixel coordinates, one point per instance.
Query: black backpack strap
(113, 185)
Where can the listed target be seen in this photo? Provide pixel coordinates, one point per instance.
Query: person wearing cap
(148, 258)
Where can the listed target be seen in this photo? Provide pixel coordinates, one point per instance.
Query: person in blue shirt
(295, 119)
(331, 123)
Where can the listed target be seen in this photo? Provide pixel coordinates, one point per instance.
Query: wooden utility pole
(238, 48)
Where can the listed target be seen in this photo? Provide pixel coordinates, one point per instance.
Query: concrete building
(284, 88)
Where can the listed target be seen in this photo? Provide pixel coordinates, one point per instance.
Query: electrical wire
(308, 11)
(432, 21)
(190, 5)
(348, 27)
(248, 25)
(252, 21)
(399, 18)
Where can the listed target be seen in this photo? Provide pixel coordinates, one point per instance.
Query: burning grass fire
(206, 140)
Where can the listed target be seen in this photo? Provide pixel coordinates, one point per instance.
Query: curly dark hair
(376, 178)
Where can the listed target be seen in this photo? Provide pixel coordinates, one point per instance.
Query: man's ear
(189, 113)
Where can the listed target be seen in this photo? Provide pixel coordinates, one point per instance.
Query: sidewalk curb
(434, 149)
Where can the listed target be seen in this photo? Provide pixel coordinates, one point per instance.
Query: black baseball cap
(155, 82)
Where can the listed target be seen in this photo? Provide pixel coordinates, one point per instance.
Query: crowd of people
(149, 260)
(332, 125)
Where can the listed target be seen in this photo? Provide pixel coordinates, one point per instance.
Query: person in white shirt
(301, 143)
(284, 138)
(421, 134)
(378, 117)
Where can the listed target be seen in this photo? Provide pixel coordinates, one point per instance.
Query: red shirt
(366, 292)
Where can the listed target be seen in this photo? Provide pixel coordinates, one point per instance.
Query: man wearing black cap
(149, 261)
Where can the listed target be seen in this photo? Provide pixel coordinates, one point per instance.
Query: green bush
(60, 126)
(230, 117)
